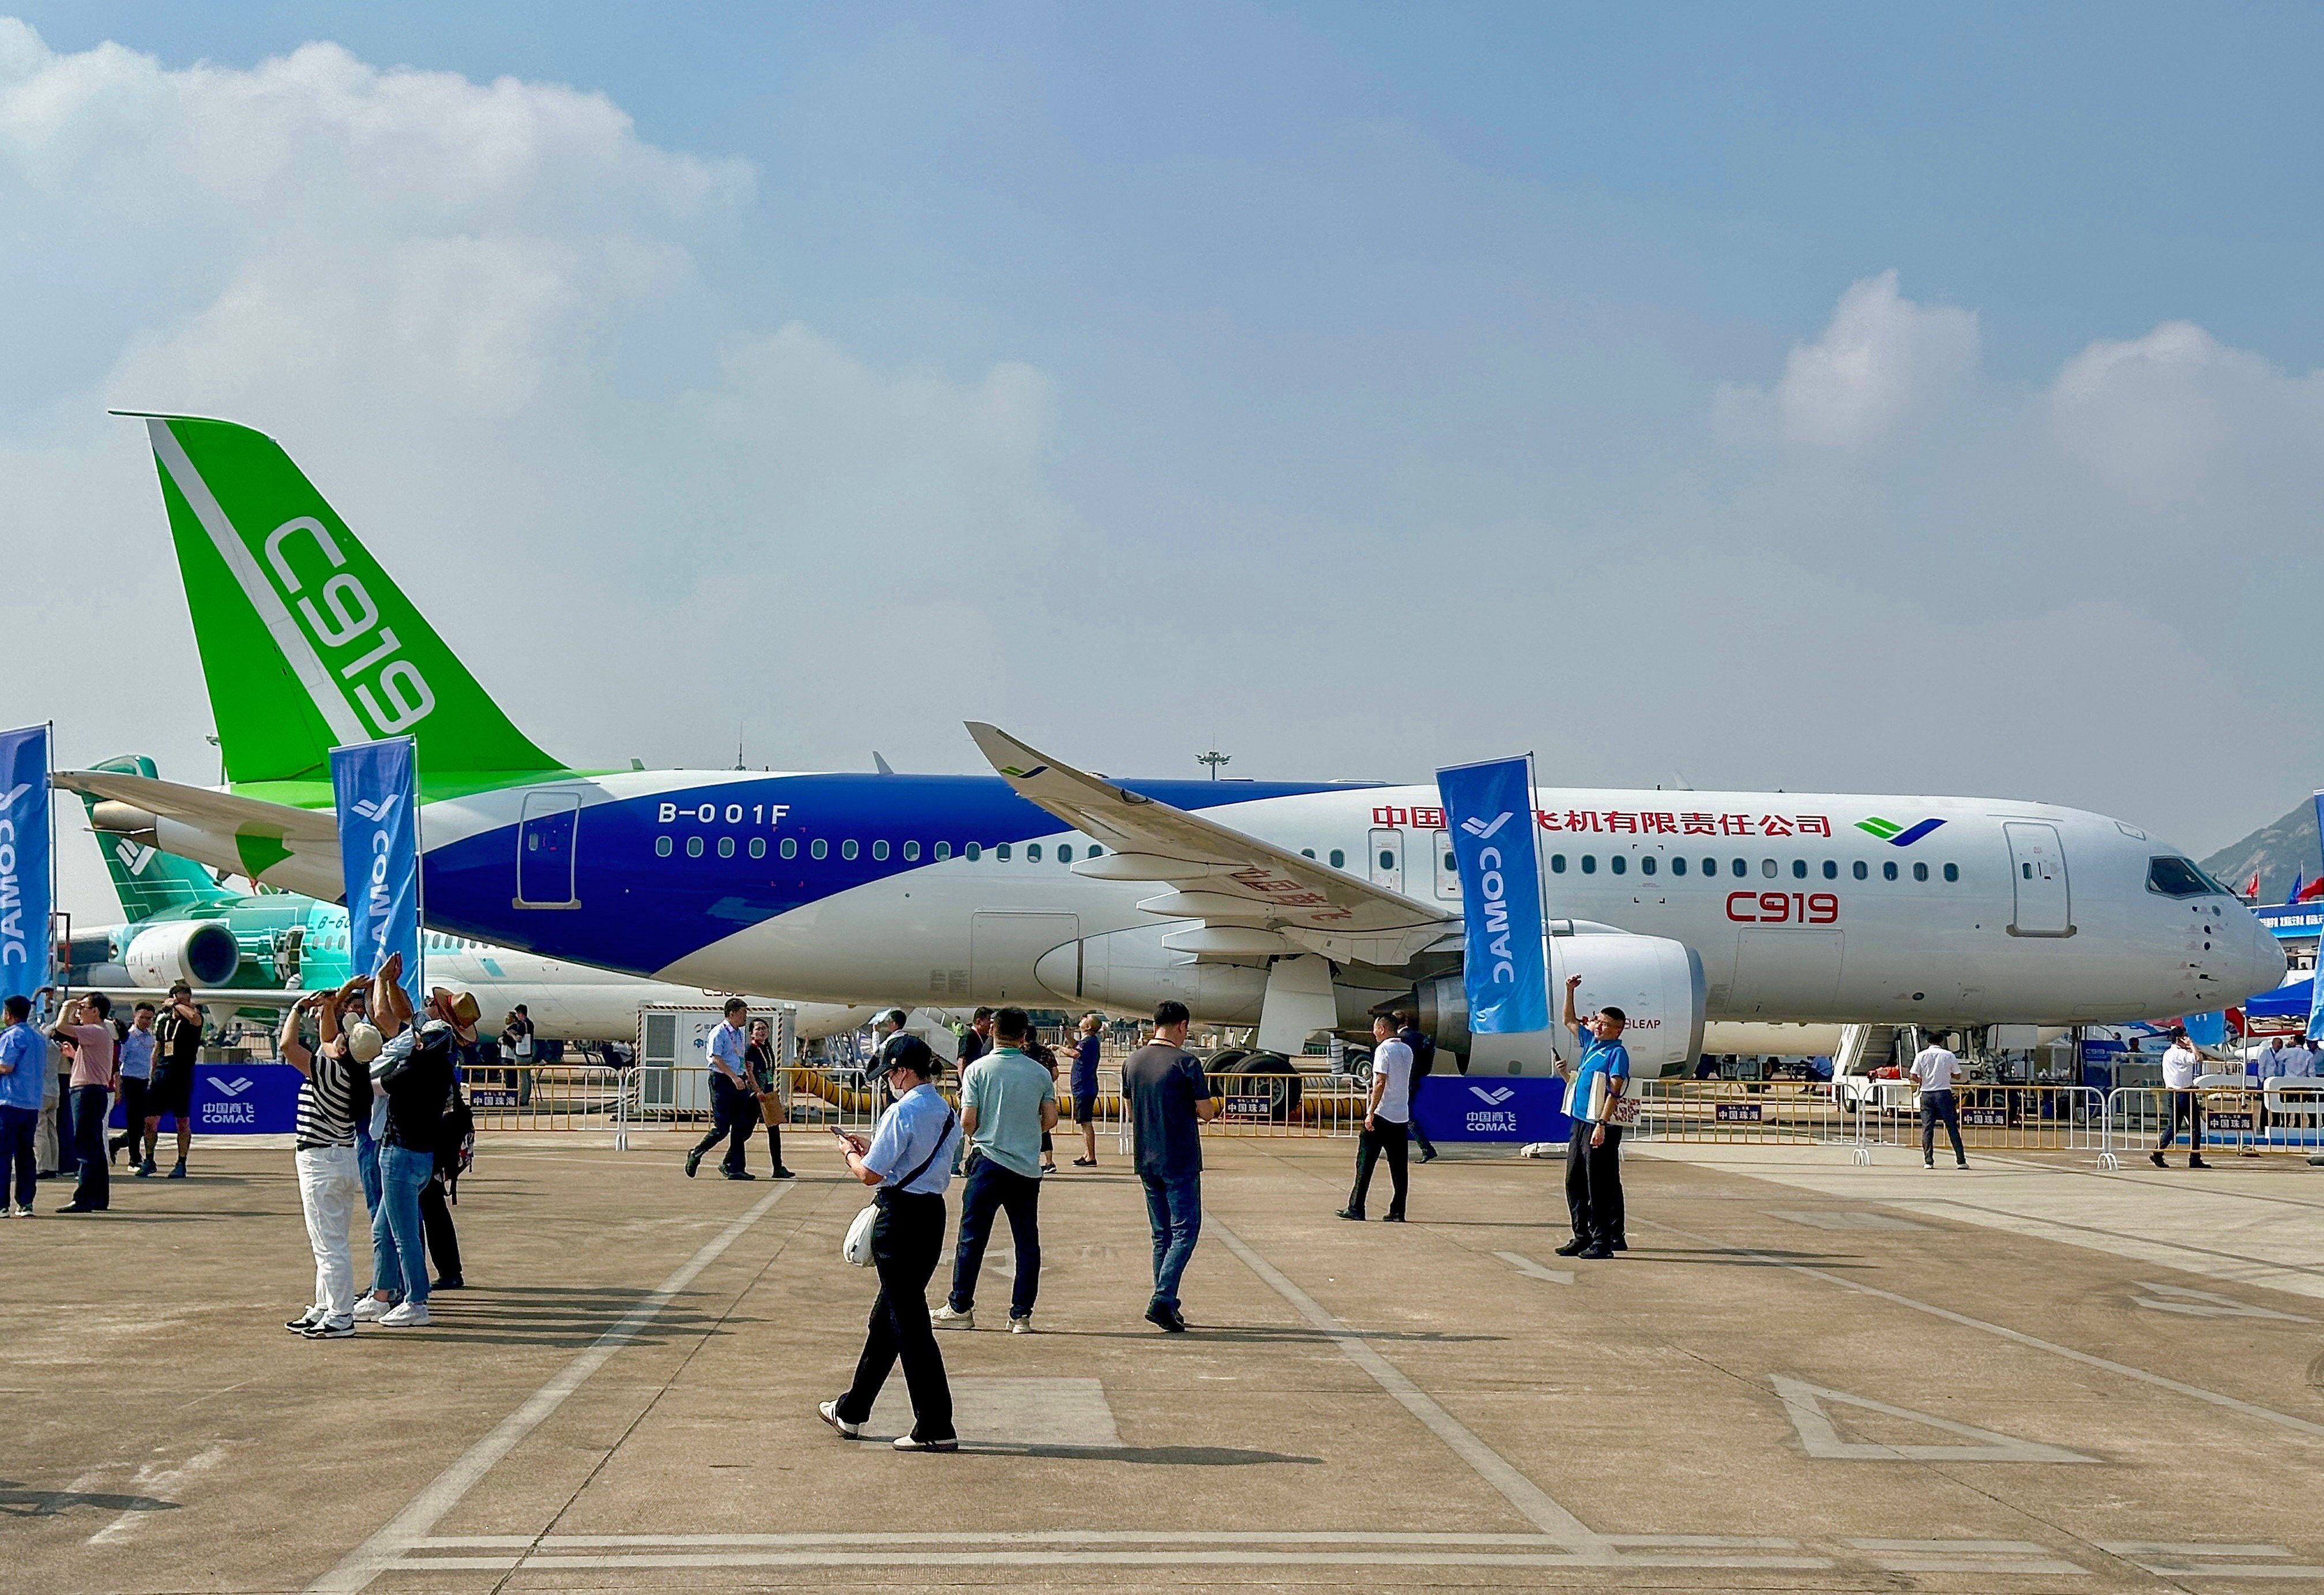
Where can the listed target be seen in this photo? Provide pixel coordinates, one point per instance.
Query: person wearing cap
(334, 1095)
(732, 1094)
(908, 1161)
(1083, 1081)
(458, 1009)
(2183, 1103)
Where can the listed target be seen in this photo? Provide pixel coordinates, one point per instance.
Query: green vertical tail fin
(306, 642)
(144, 878)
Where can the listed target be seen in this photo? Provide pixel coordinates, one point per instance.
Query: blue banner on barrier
(1458, 1108)
(1489, 819)
(378, 798)
(239, 1099)
(25, 851)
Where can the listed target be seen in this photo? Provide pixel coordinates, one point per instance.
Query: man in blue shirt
(1168, 1098)
(24, 1066)
(1008, 1102)
(910, 1161)
(733, 1095)
(1593, 1165)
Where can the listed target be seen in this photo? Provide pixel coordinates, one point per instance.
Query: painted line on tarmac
(1533, 1270)
(1533, 1503)
(431, 1507)
(2285, 1420)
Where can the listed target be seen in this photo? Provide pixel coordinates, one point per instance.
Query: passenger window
(758, 847)
(693, 847)
(662, 848)
(972, 853)
(1742, 868)
(1339, 859)
(1767, 867)
(818, 848)
(1646, 863)
(1799, 869)
(1032, 852)
(1065, 853)
(1860, 870)
(847, 850)
(1830, 870)
(1711, 867)
(1888, 871)
(1557, 863)
(790, 848)
(1306, 852)
(911, 853)
(1096, 849)
(1589, 863)
(1678, 866)
(1387, 858)
(1952, 872)
(1920, 871)
(942, 851)
(725, 847)
(1619, 863)
(1001, 852)
(880, 853)
(2029, 871)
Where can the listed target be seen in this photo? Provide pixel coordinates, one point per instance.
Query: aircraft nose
(2263, 960)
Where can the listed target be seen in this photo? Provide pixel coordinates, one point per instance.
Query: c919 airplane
(1296, 907)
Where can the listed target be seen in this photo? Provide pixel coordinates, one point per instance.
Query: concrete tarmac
(1804, 1375)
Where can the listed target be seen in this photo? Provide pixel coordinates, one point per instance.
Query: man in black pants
(1423, 1063)
(910, 1161)
(1593, 1164)
(1387, 1116)
(734, 1096)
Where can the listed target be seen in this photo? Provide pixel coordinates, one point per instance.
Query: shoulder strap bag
(857, 1247)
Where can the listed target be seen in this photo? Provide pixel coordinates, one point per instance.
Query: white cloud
(1883, 361)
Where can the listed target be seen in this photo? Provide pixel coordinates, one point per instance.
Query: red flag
(2251, 887)
(2312, 890)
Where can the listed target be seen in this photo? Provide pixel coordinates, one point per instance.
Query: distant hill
(2280, 851)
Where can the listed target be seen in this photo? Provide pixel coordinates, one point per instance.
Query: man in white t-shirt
(1387, 1121)
(1933, 1070)
(2181, 1102)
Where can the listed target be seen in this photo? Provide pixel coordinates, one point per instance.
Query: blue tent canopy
(2285, 1002)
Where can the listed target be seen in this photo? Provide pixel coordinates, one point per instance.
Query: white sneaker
(1022, 1325)
(829, 1412)
(371, 1310)
(410, 1316)
(944, 1317)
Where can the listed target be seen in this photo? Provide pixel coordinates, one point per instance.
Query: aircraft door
(2037, 867)
(1448, 870)
(1387, 857)
(545, 846)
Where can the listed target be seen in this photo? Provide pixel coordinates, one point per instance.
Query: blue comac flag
(25, 851)
(375, 788)
(1488, 816)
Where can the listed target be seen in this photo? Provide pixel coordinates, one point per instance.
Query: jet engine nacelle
(1131, 971)
(1656, 982)
(200, 952)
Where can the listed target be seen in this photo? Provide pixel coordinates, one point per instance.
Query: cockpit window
(2179, 878)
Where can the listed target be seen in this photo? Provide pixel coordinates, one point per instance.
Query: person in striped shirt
(334, 1096)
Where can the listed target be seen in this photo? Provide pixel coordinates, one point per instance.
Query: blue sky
(1695, 375)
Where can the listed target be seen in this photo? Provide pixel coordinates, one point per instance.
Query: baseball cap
(910, 1052)
(363, 1041)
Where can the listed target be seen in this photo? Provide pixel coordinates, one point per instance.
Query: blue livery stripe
(1916, 833)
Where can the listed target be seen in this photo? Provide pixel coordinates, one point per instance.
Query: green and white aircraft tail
(147, 881)
(307, 643)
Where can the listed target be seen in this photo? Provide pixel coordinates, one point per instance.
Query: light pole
(1214, 759)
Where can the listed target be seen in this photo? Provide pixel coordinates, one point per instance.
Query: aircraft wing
(1247, 892)
(295, 848)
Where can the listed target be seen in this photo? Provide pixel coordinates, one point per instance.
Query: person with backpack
(416, 1079)
(333, 1097)
(908, 1161)
(1424, 1059)
(455, 1139)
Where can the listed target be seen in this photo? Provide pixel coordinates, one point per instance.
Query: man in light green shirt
(1007, 1103)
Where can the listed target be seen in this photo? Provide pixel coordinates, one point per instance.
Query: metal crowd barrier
(545, 1096)
(2262, 1117)
(1993, 1117)
(1774, 1112)
(1284, 1104)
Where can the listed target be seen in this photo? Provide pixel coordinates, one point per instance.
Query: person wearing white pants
(333, 1098)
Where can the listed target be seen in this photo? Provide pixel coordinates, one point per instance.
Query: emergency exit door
(545, 839)
(2037, 866)
(1387, 858)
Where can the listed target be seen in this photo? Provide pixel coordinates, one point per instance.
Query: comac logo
(133, 856)
(234, 1087)
(347, 618)
(376, 810)
(1495, 1097)
(16, 946)
(1895, 834)
(1483, 832)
